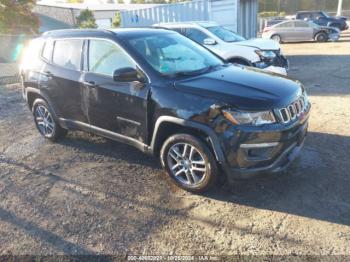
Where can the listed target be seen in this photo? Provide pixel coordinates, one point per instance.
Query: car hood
(246, 88)
(262, 44)
(332, 29)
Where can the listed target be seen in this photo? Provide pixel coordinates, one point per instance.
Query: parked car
(230, 46)
(299, 30)
(167, 96)
(323, 19)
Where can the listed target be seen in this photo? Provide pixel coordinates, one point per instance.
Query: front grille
(293, 110)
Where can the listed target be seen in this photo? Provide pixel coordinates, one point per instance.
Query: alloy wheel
(44, 121)
(186, 164)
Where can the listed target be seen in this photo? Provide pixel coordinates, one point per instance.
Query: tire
(321, 37)
(45, 121)
(276, 38)
(239, 61)
(195, 172)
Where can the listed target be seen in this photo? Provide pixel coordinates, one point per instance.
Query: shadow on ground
(330, 68)
(316, 186)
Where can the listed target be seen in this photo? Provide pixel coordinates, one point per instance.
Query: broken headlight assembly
(249, 118)
(265, 54)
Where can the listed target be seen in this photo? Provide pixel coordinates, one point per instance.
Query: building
(238, 15)
(67, 12)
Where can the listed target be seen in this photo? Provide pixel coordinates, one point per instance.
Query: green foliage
(292, 6)
(86, 19)
(120, 1)
(271, 14)
(75, 1)
(116, 20)
(17, 17)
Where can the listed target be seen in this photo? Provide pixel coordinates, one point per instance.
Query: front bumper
(279, 65)
(250, 151)
(277, 70)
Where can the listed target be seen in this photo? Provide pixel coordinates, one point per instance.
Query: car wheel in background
(321, 37)
(276, 38)
(45, 121)
(189, 162)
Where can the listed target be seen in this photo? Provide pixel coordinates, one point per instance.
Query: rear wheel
(321, 37)
(189, 162)
(45, 121)
(276, 38)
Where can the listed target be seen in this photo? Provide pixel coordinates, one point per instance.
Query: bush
(272, 14)
(86, 19)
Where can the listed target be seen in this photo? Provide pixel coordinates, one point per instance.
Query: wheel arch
(239, 58)
(168, 125)
(33, 93)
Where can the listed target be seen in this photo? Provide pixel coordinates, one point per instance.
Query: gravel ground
(89, 195)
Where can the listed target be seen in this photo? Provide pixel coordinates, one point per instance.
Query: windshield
(225, 34)
(312, 24)
(325, 14)
(173, 53)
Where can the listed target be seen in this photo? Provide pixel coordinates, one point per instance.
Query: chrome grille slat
(293, 110)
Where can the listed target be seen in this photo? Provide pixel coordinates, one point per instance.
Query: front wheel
(321, 37)
(189, 162)
(45, 121)
(276, 38)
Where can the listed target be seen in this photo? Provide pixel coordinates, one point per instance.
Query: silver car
(299, 30)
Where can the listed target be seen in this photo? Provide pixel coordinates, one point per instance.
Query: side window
(67, 53)
(47, 50)
(196, 35)
(286, 25)
(106, 57)
(301, 24)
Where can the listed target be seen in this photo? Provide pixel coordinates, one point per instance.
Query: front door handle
(90, 84)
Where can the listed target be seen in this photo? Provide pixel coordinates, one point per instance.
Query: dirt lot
(86, 194)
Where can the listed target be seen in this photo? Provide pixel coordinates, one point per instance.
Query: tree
(86, 19)
(17, 17)
(120, 1)
(116, 20)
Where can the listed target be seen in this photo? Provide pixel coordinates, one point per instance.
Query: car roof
(314, 11)
(103, 32)
(188, 23)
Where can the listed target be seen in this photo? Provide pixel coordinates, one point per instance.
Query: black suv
(323, 19)
(168, 96)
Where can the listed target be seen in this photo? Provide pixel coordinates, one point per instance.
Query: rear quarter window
(67, 53)
(47, 50)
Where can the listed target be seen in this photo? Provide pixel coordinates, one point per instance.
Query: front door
(119, 107)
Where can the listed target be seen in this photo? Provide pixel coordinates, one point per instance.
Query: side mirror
(209, 41)
(126, 74)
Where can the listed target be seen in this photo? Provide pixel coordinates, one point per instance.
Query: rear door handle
(90, 84)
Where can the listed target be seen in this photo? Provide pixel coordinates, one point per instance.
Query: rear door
(285, 30)
(303, 31)
(62, 77)
(120, 107)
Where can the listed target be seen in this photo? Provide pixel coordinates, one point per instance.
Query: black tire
(276, 38)
(45, 121)
(321, 37)
(239, 61)
(202, 158)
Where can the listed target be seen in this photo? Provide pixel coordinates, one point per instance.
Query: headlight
(249, 118)
(265, 54)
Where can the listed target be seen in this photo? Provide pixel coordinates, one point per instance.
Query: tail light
(266, 29)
